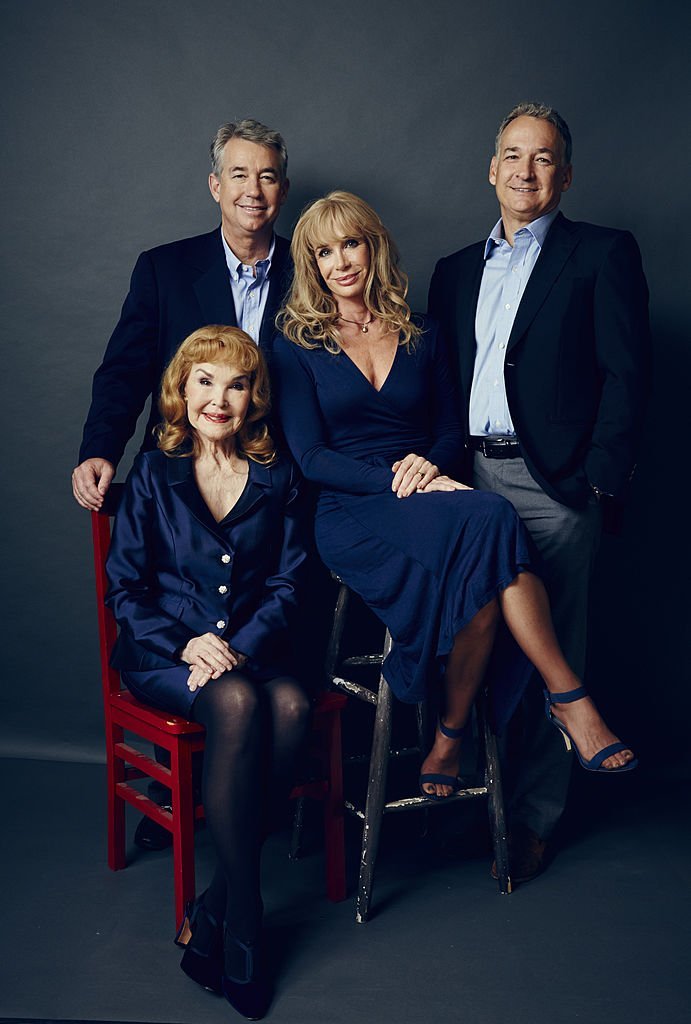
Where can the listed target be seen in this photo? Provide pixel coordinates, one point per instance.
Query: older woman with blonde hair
(369, 408)
(206, 563)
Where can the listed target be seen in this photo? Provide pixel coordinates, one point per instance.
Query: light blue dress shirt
(250, 287)
(504, 278)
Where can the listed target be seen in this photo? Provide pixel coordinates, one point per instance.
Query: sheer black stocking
(288, 718)
(253, 733)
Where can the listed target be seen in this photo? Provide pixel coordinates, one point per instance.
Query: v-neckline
(366, 379)
(239, 502)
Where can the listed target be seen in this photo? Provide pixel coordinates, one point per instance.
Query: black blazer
(174, 290)
(577, 367)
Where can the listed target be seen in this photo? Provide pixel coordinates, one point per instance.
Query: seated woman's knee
(233, 696)
(290, 700)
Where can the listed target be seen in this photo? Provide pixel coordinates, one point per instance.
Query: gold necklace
(363, 327)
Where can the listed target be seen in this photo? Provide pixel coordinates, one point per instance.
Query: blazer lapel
(559, 244)
(466, 307)
(279, 282)
(180, 474)
(212, 287)
(257, 485)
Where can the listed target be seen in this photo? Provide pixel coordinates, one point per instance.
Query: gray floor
(603, 936)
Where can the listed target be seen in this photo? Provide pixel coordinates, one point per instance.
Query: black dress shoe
(527, 855)
(202, 960)
(149, 835)
(247, 989)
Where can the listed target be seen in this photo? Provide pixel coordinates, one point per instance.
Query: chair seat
(173, 724)
(328, 702)
(325, 704)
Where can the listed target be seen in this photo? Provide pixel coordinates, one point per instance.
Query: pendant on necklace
(364, 329)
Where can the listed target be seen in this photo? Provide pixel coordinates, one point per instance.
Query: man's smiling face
(529, 173)
(250, 189)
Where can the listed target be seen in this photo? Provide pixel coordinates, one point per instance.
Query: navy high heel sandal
(595, 763)
(454, 781)
(250, 993)
(201, 963)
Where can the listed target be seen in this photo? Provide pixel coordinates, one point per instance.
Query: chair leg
(334, 648)
(115, 772)
(495, 804)
(376, 794)
(296, 833)
(332, 656)
(183, 826)
(424, 744)
(334, 838)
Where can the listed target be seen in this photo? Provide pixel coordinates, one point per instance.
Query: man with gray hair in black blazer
(236, 275)
(549, 321)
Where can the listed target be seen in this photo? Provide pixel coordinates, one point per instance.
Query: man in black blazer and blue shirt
(549, 319)
(235, 275)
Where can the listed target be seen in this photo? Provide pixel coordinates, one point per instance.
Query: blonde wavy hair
(310, 313)
(231, 347)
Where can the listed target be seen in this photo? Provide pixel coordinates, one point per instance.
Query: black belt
(496, 447)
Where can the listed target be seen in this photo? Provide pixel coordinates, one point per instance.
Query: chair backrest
(107, 628)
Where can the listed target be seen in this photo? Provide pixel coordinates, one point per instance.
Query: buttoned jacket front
(175, 573)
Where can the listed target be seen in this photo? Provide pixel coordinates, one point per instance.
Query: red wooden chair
(181, 738)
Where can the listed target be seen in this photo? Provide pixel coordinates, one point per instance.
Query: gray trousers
(538, 766)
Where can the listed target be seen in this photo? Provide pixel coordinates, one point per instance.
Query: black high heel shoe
(202, 960)
(248, 991)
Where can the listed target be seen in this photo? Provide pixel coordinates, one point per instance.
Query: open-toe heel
(248, 990)
(202, 960)
(453, 781)
(595, 763)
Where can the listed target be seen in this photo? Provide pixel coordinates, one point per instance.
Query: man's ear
(214, 187)
(493, 171)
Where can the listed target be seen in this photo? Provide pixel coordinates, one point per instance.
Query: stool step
(354, 689)
(409, 803)
(365, 758)
(363, 659)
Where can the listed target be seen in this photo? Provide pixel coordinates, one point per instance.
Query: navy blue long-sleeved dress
(426, 564)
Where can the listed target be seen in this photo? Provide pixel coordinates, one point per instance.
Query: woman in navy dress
(205, 566)
(369, 409)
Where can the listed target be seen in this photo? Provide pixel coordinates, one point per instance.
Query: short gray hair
(543, 113)
(250, 131)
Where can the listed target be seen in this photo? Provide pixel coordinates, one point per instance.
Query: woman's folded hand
(197, 678)
(443, 483)
(412, 474)
(211, 653)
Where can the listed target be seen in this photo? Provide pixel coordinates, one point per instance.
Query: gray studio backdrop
(109, 108)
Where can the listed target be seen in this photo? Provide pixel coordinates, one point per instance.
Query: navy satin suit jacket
(175, 573)
(174, 290)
